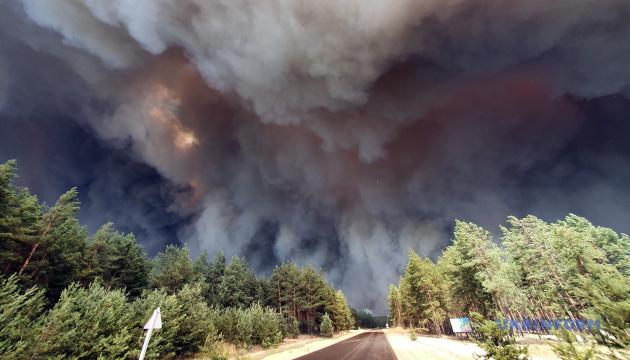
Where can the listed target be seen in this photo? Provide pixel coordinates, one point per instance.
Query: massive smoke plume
(340, 133)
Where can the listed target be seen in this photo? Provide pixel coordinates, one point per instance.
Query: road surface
(371, 345)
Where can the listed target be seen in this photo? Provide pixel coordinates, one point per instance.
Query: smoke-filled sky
(339, 133)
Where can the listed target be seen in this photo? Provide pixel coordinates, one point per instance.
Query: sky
(338, 133)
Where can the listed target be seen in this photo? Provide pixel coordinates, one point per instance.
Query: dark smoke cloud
(338, 133)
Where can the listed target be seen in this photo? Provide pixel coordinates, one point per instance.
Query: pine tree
(83, 315)
(326, 326)
(237, 287)
(467, 264)
(54, 222)
(20, 220)
(285, 283)
(20, 319)
(607, 295)
(263, 292)
(214, 278)
(616, 247)
(117, 259)
(186, 317)
(43, 246)
(497, 343)
(568, 349)
(244, 328)
(394, 302)
(340, 313)
(312, 292)
(172, 269)
(265, 326)
(64, 258)
(423, 289)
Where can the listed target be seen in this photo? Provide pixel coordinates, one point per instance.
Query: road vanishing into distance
(371, 345)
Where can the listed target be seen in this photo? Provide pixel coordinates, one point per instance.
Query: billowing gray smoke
(336, 132)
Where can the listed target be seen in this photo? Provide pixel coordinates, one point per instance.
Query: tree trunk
(28, 258)
(36, 245)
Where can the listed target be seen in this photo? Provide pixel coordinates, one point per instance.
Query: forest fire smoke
(164, 115)
(340, 133)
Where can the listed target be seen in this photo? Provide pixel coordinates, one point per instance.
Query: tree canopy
(67, 294)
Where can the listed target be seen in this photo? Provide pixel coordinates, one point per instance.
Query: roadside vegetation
(67, 295)
(569, 269)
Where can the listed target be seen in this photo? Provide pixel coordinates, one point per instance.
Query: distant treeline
(569, 269)
(66, 294)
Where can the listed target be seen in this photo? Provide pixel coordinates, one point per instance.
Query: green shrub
(497, 343)
(244, 328)
(221, 353)
(214, 348)
(226, 320)
(413, 335)
(326, 327)
(293, 327)
(20, 319)
(88, 323)
(567, 349)
(186, 319)
(283, 325)
(266, 326)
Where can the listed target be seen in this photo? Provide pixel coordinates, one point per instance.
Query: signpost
(155, 322)
(461, 326)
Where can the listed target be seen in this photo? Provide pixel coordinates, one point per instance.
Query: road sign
(461, 325)
(155, 322)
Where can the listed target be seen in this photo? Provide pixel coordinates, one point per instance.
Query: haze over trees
(66, 294)
(568, 269)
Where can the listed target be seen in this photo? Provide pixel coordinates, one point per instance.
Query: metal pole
(148, 337)
(146, 344)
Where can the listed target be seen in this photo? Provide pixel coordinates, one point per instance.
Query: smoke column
(339, 133)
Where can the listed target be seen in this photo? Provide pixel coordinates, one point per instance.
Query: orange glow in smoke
(185, 139)
(163, 112)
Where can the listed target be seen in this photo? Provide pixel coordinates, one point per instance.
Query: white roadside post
(155, 322)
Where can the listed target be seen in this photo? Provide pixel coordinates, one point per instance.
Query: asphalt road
(371, 345)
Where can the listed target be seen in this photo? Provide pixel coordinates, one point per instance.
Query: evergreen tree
(285, 283)
(340, 313)
(237, 287)
(423, 290)
(568, 349)
(117, 259)
(616, 247)
(244, 328)
(263, 291)
(312, 290)
(497, 343)
(326, 327)
(55, 223)
(88, 323)
(20, 319)
(214, 278)
(186, 317)
(20, 220)
(607, 294)
(364, 319)
(65, 258)
(172, 269)
(226, 321)
(43, 247)
(550, 259)
(293, 327)
(265, 326)
(394, 302)
(467, 264)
